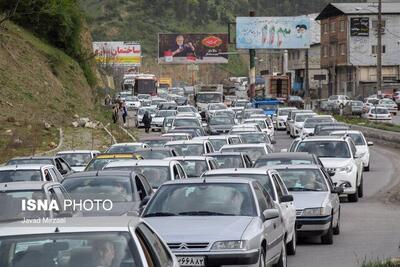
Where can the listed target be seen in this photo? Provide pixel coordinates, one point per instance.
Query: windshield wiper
(204, 213)
(303, 189)
(160, 214)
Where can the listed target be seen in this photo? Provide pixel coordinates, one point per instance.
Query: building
(317, 77)
(349, 46)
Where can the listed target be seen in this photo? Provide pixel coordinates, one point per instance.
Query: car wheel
(327, 239)
(366, 168)
(353, 197)
(262, 258)
(283, 258)
(336, 230)
(361, 189)
(291, 246)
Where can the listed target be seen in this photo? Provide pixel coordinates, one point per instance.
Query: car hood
(179, 229)
(335, 162)
(221, 127)
(304, 200)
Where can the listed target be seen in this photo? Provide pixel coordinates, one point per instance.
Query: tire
(327, 239)
(366, 168)
(261, 260)
(283, 258)
(361, 189)
(353, 197)
(291, 246)
(336, 230)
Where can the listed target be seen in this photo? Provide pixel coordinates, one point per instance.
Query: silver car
(218, 222)
(315, 198)
(96, 241)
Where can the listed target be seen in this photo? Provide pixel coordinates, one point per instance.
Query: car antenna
(57, 230)
(204, 180)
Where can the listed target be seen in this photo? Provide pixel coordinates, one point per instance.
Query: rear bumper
(313, 226)
(225, 258)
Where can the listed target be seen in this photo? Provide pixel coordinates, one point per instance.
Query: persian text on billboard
(192, 48)
(273, 32)
(118, 53)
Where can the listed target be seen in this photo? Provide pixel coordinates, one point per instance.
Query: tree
(9, 10)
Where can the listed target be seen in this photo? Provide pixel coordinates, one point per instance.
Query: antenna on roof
(57, 230)
(204, 180)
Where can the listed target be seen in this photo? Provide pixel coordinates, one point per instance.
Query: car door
(271, 228)
(357, 159)
(334, 198)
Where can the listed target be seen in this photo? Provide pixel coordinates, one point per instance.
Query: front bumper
(349, 178)
(224, 257)
(313, 226)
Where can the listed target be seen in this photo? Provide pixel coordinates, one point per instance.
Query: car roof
(300, 166)
(25, 185)
(36, 157)
(145, 162)
(209, 181)
(186, 142)
(323, 138)
(224, 154)
(243, 145)
(262, 170)
(77, 151)
(291, 155)
(24, 167)
(210, 137)
(175, 134)
(154, 149)
(199, 158)
(347, 132)
(72, 225)
(127, 144)
(100, 174)
(154, 138)
(116, 156)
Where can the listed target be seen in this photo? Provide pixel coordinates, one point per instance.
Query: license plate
(191, 261)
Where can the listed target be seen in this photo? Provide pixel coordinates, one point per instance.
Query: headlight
(222, 245)
(315, 212)
(347, 169)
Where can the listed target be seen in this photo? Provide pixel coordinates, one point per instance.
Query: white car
(255, 151)
(218, 140)
(338, 100)
(188, 111)
(290, 118)
(178, 136)
(186, 122)
(125, 147)
(299, 123)
(141, 111)
(361, 144)
(246, 127)
(78, 159)
(281, 117)
(195, 166)
(389, 104)
(157, 122)
(339, 156)
(132, 102)
(378, 114)
(191, 147)
(264, 125)
(273, 184)
(310, 123)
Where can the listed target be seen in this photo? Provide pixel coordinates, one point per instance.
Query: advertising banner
(359, 26)
(196, 48)
(273, 32)
(118, 53)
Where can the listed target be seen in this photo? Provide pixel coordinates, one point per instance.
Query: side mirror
(331, 173)
(337, 190)
(287, 198)
(370, 143)
(270, 214)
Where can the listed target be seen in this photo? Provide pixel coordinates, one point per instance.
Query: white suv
(338, 100)
(339, 156)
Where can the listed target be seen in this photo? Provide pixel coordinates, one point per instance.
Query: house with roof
(349, 47)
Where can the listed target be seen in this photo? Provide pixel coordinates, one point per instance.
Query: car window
(58, 165)
(281, 184)
(277, 187)
(352, 147)
(47, 175)
(53, 174)
(64, 165)
(146, 185)
(261, 199)
(140, 188)
(176, 173)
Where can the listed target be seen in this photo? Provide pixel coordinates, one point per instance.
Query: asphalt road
(396, 119)
(370, 229)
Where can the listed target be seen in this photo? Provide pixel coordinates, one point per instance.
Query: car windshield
(209, 98)
(156, 175)
(326, 149)
(194, 168)
(379, 111)
(224, 113)
(327, 130)
(155, 102)
(142, 111)
(98, 164)
(267, 106)
(203, 199)
(188, 149)
(186, 122)
(282, 161)
(253, 152)
(123, 149)
(221, 121)
(253, 138)
(334, 97)
(165, 113)
(30, 161)
(11, 204)
(303, 117)
(229, 161)
(303, 179)
(186, 109)
(312, 122)
(217, 143)
(156, 143)
(149, 154)
(70, 249)
(241, 103)
(112, 188)
(131, 98)
(76, 159)
(20, 175)
(357, 104)
(357, 138)
(283, 112)
(217, 107)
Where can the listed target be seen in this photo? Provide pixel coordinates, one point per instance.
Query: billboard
(273, 32)
(359, 26)
(118, 53)
(196, 48)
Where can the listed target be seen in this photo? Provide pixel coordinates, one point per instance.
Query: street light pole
(379, 50)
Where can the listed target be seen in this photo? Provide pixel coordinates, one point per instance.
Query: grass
(378, 263)
(367, 123)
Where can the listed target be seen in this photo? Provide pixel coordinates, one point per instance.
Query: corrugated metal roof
(367, 8)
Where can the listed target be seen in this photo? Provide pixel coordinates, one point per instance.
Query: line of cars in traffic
(205, 196)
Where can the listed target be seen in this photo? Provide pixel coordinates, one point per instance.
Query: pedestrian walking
(124, 113)
(147, 121)
(115, 113)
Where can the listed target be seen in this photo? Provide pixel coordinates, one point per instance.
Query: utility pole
(379, 51)
(306, 77)
(252, 70)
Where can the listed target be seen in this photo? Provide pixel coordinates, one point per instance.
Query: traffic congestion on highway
(238, 184)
